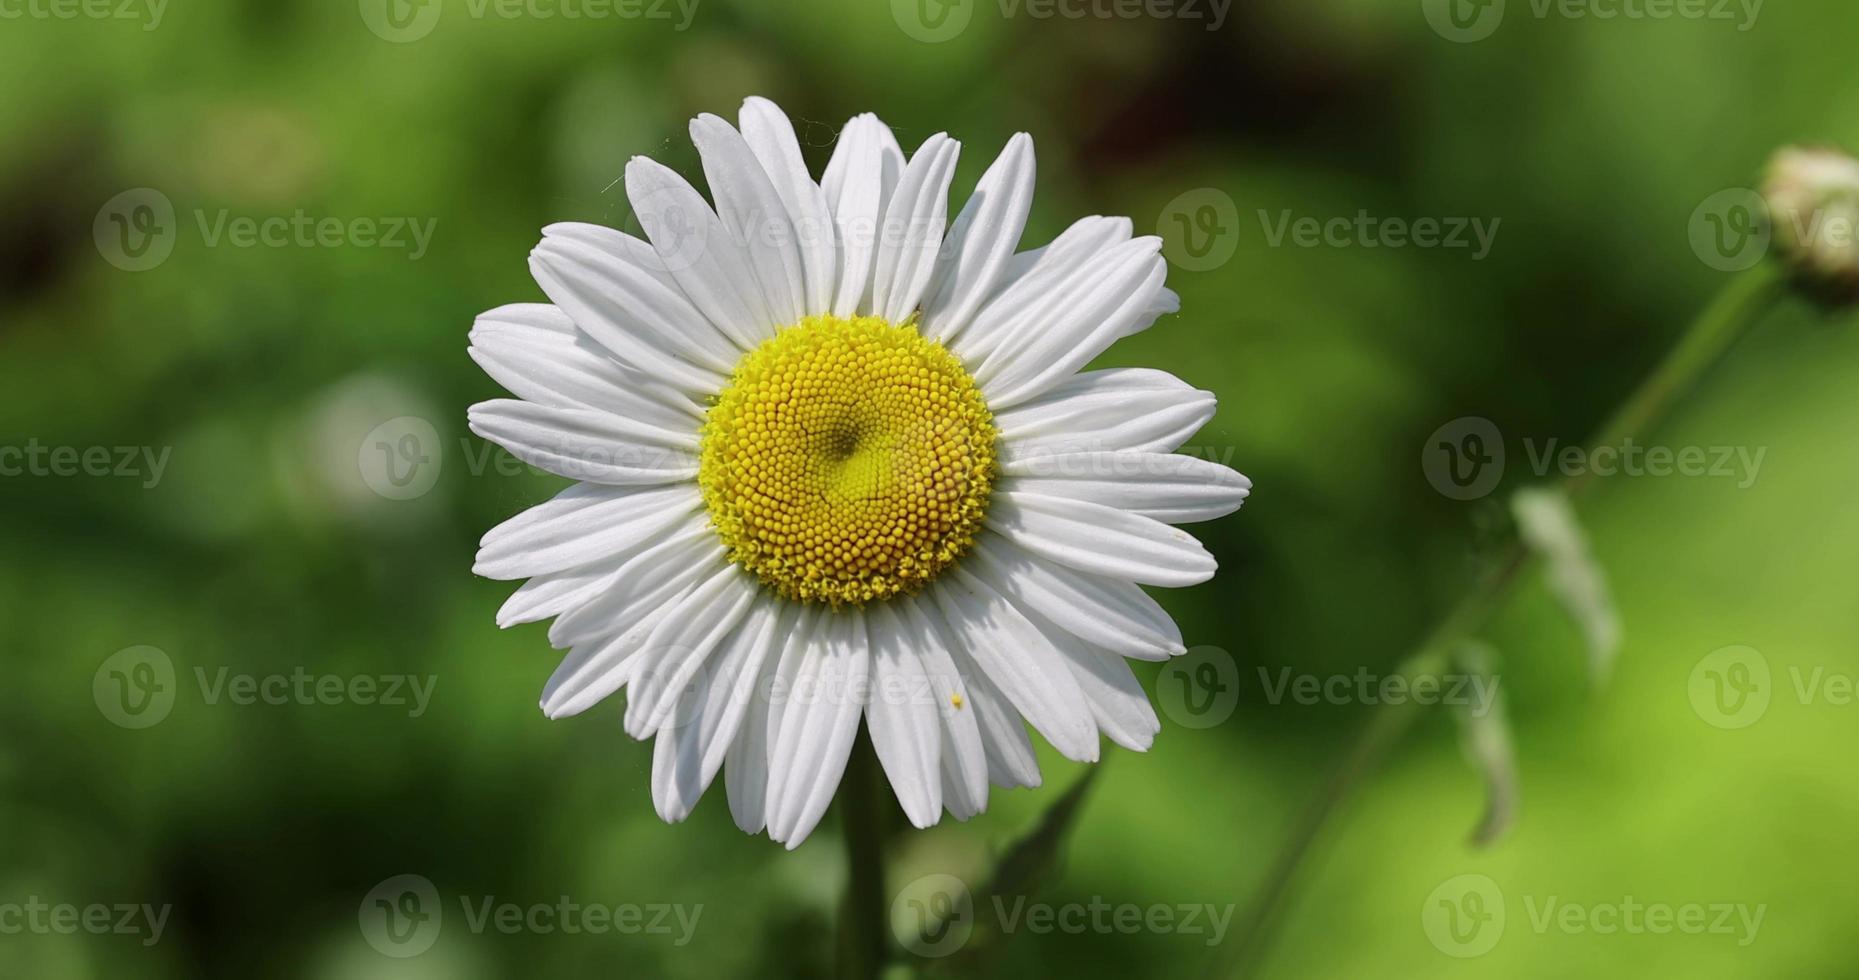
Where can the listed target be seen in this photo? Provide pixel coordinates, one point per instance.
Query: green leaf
(1023, 869)
(1549, 526)
(1484, 734)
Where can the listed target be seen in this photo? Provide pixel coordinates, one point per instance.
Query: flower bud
(1813, 198)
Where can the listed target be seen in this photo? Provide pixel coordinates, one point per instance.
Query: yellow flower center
(847, 460)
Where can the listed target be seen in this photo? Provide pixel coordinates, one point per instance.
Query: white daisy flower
(837, 462)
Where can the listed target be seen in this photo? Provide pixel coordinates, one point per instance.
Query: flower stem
(1738, 307)
(863, 925)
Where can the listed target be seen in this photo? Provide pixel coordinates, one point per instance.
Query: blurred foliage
(260, 550)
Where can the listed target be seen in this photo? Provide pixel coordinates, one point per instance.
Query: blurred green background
(262, 550)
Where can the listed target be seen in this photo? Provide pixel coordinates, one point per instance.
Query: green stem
(863, 924)
(1737, 308)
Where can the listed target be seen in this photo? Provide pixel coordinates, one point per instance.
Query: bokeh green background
(261, 550)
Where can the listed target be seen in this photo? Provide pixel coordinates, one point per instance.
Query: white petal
(754, 214)
(552, 594)
(818, 725)
(594, 669)
(1170, 488)
(1133, 409)
(910, 236)
(705, 725)
(582, 444)
(676, 778)
(771, 136)
(981, 242)
(711, 267)
(535, 319)
(1009, 752)
(647, 292)
(1084, 238)
(569, 370)
(1108, 298)
(593, 289)
(904, 717)
(1021, 660)
(1165, 301)
(1110, 613)
(846, 158)
(1101, 540)
(582, 524)
(650, 577)
(681, 644)
(745, 768)
(1031, 280)
(962, 757)
(1118, 703)
(858, 183)
(633, 250)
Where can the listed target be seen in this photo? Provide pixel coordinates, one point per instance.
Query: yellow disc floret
(847, 460)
